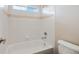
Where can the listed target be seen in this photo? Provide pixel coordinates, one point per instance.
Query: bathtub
(28, 47)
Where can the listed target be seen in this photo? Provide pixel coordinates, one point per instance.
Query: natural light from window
(19, 8)
(29, 9)
(32, 9)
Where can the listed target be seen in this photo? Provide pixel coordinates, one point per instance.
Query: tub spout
(2, 40)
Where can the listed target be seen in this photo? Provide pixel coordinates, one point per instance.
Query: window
(28, 9)
(33, 9)
(19, 8)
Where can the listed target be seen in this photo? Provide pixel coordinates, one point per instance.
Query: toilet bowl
(65, 47)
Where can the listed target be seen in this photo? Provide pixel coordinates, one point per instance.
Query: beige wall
(67, 24)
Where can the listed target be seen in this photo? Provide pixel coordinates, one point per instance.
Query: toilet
(65, 47)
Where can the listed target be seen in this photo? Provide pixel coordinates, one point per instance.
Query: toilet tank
(65, 47)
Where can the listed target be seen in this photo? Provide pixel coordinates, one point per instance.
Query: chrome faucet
(45, 36)
(2, 40)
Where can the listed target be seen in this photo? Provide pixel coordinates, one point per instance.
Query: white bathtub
(27, 47)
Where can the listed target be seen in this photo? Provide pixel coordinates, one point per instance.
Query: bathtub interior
(2, 49)
(28, 47)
